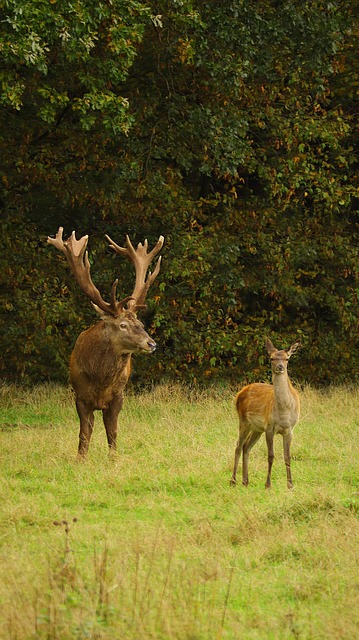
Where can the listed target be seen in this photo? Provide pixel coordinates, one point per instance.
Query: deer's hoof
(232, 482)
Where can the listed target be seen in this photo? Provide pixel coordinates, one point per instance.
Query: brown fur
(100, 366)
(100, 363)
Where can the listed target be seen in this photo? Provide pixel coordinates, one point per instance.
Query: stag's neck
(98, 353)
(110, 343)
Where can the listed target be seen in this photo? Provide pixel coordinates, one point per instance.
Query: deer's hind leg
(248, 445)
(243, 435)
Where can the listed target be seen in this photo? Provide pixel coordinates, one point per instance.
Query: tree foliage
(230, 128)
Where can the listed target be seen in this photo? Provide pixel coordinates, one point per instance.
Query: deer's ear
(292, 349)
(98, 310)
(270, 346)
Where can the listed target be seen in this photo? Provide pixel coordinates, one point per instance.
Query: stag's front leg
(287, 439)
(86, 416)
(110, 419)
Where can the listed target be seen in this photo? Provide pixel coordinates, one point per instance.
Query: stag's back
(98, 369)
(101, 360)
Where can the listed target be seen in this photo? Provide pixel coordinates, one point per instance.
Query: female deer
(270, 409)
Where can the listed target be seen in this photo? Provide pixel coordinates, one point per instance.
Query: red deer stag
(100, 363)
(270, 409)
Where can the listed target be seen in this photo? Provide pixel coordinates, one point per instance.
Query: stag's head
(120, 316)
(128, 331)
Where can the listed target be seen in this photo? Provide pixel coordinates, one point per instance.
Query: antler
(77, 258)
(141, 261)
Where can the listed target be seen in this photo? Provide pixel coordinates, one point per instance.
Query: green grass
(157, 545)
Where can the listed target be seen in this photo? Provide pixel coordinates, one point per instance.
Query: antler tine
(57, 241)
(150, 279)
(141, 260)
(77, 258)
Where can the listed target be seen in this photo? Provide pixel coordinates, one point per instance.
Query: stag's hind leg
(86, 416)
(110, 419)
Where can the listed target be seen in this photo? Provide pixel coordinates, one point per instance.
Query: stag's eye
(123, 325)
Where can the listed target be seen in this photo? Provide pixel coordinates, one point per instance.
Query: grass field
(155, 544)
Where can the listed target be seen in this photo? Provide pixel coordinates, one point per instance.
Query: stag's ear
(292, 349)
(138, 307)
(270, 346)
(101, 312)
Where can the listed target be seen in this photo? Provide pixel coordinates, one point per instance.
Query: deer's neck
(98, 352)
(110, 344)
(282, 391)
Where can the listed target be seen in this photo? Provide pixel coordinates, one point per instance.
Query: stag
(100, 362)
(270, 409)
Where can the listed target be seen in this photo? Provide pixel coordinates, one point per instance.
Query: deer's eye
(123, 325)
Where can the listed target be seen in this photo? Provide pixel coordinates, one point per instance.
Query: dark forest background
(229, 127)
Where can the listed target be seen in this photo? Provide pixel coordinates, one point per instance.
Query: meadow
(155, 543)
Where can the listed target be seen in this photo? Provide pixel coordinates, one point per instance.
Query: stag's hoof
(233, 482)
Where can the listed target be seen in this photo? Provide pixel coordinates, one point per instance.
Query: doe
(270, 409)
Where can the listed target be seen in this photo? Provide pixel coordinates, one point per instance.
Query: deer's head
(121, 322)
(128, 331)
(279, 357)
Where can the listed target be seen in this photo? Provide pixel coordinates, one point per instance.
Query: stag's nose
(152, 345)
(280, 368)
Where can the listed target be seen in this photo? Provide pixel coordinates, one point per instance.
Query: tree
(223, 126)
(63, 69)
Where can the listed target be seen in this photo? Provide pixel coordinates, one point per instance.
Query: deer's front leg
(86, 416)
(110, 419)
(270, 447)
(287, 439)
